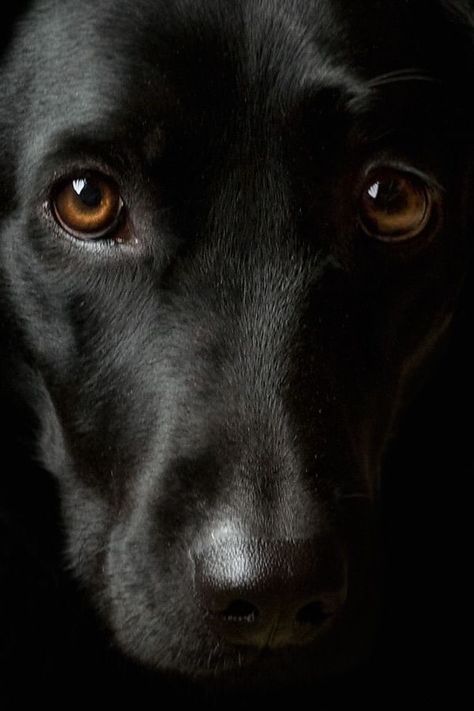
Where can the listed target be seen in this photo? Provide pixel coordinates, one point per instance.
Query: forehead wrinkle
(291, 47)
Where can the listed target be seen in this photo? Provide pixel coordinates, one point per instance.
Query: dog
(233, 242)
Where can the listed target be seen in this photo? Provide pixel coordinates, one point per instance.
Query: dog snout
(267, 593)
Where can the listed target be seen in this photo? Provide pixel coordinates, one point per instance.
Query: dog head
(232, 237)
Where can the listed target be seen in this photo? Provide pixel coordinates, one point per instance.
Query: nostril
(240, 611)
(269, 593)
(312, 614)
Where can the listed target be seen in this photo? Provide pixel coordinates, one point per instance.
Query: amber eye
(394, 205)
(88, 206)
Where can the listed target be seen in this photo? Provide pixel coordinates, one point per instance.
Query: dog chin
(195, 657)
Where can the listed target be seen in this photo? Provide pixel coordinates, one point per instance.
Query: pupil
(88, 193)
(389, 196)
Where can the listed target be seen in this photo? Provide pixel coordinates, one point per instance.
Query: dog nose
(270, 593)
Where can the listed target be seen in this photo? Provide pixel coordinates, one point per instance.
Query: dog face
(232, 236)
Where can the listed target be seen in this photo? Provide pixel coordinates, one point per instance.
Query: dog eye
(394, 205)
(88, 206)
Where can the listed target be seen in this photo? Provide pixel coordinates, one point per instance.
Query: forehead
(92, 60)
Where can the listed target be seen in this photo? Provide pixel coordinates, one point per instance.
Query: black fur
(245, 361)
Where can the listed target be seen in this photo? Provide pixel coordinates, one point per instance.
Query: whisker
(400, 76)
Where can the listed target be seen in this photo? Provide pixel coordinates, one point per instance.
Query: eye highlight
(88, 206)
(394, 205)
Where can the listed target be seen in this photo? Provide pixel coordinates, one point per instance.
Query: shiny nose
(269, 593)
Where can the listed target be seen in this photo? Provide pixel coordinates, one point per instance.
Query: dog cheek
(86, 520)
(50, 444)
(128, 602)
(145, 607)
(85, 515)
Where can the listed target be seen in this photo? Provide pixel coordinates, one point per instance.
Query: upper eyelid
(59, 164)
(73, 168)
(404, 167)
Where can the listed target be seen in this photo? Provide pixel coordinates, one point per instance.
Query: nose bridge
(249, 276)
(262, 273)
(268, 503)
(250, 188)
(250, 249)
(267, 469)
(258, 376)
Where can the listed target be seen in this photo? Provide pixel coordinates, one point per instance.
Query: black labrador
(233, 239)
